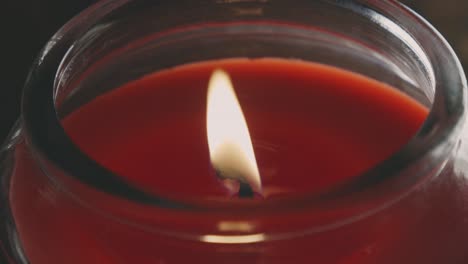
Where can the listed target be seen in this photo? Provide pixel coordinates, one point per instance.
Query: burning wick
(231, 150)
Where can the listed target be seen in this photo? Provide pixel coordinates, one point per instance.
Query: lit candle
(152, 132)
(144, 122)
(166, 132)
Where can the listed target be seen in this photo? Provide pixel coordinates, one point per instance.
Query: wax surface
(312, 126)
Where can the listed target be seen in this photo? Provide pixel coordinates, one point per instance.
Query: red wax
(313, 127)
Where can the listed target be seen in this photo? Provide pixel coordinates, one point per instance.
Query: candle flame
(229, 142)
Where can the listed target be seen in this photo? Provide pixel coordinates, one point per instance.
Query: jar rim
(435, 140)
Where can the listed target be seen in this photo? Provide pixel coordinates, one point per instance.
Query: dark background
(28, 24)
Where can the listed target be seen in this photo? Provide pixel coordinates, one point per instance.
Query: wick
(244, 191)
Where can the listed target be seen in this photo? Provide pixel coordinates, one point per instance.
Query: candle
(313, 127)
(156, 126)
(239, 132)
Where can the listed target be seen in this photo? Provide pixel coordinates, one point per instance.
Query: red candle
(304, 119)
(313, 128)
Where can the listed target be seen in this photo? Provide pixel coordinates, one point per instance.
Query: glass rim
(434, 141)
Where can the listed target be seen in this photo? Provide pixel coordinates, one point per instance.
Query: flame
(229, 142)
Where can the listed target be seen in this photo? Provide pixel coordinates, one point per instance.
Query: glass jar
(60, 206)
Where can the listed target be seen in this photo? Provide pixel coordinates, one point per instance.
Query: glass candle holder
(60, 205)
